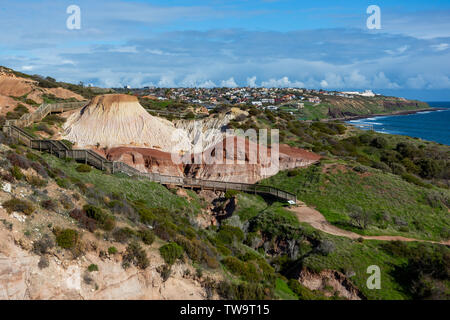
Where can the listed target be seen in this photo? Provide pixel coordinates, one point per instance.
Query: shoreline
(395, 113)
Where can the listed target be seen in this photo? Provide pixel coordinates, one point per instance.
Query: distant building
(315, 100)
(366, 93)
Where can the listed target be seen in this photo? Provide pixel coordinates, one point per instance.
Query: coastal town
(260, 97)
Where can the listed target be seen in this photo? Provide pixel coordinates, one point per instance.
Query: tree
(360, 217)
(379, 142)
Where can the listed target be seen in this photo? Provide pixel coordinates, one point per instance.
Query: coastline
(395, 113)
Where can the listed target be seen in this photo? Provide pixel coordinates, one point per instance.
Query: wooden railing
(43, 110)
(61, 150)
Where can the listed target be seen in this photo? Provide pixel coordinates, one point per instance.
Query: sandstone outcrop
(116, 120)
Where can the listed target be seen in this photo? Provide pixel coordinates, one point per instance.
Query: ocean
(427, 125)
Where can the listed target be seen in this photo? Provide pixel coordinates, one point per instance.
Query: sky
(271, 43)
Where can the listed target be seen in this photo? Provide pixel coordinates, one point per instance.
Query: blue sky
(313, 44)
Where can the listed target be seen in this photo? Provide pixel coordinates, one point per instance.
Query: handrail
(61, 150)
(42, 111)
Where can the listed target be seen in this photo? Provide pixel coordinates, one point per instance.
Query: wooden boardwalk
(61, 150)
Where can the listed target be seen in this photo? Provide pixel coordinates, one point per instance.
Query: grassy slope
(348, 256)
(154, 194)
(335, 193)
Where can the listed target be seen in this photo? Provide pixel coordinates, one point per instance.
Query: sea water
(427, 125)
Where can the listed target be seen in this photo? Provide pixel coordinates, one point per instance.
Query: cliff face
(12, 86)
(146, 160)
(119, 120)
(235, 166)
(243, 165)
(205, 133)
(64, 278)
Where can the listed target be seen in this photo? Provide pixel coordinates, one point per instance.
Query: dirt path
(318, 221)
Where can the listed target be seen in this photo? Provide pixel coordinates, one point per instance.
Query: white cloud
(399, 50)
(251, 82)
(230, 83)
(166, 82)
(440, 47)
(283, 82)
(125, 49)
(27, 68)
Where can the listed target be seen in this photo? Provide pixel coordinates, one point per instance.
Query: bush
(63, 183)
(379, 142)
(415, 180)
(326, 247)
(17, 173)
(242, 291)
(112, 250)
(42, 245)
(301, 291)
(43, 262)
(84, 221)
(171, 252)
(84, 168)
(247, 270)
(135, 255)
(293, 173)
(67, 238)
(93, 267)
(36, 181)
(123, 235)
(18, 160)
(229, 234)
(231, 194)
(49, 204)
(104, 220)
(18, 205)
(164, 271)
(146, 236)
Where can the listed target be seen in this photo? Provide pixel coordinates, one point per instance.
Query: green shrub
(247, 270)
(301, 291)
(112, 250)
(36, 181)
(135, 255)
(171, 252)
(242, 291)
(379, 142)
(67, 238)
(231, 194)
(18, 205)
(104, 220)
(146, 236)
(123, 235)
(63, 183)
(229, 234)
(17, 173)
(84, 168)
(223, 250)
(415, 180)
(93, 267)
